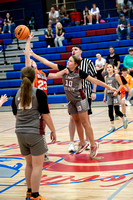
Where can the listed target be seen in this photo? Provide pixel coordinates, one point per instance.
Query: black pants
(50, 41)
(117, 111)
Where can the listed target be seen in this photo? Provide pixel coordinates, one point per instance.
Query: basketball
(22, 32)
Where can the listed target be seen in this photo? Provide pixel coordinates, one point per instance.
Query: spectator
(128, 61)
(86, 14)
(129, 80)
(32, 24)
(53, 16)
(1, 23)
(64, 16)
(49, 37)
(112, 59)
(59, 35)
(126, 8)
(8, 23)
(118, 6)
(94, 14)
(100, 64)
(123, 27)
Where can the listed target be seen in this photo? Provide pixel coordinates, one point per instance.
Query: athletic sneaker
(38, 198)
(112, 128)
(82, 147)
(28, 195)
(71, 147)
(46, 159)
(127, 103)
(125, 123)
(88, 148)
(94, 150)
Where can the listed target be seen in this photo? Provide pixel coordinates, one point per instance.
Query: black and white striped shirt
(88, 67)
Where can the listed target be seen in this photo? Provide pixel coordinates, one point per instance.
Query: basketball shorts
(33, 144)
(113, 100)
(78, 106)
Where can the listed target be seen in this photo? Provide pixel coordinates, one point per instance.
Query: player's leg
(72, 128)
(89, 133)
(28, 171)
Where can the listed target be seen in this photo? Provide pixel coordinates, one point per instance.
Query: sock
(29, 190)
(35, 194)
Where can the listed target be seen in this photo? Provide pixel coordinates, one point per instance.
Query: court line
(16, 184)
(113, 131)
(120, 189)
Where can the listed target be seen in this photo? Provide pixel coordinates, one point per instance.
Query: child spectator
(53, 16)
(3, 99)
(123, 27)
(113, 80)
(49, 37)
(128, 61)
(59, 35)
(118, 5)
(86, 15)
(1, 23)
(94, 14)
(8, 23)
(100, 64)
(129, 80)
(32, 22)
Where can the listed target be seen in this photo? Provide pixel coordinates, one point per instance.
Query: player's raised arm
(27, 50)
(44, 61)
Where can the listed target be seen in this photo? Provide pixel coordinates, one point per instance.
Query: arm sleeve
(42, 102)
(61, 67)
(14, 107)
(82, 74)
(123, 80)
(47, 73)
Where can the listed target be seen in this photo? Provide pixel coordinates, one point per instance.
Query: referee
(87, 66)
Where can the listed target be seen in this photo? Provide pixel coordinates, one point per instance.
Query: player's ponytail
(27, 76)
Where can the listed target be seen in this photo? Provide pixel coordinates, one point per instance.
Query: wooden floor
(72, 177)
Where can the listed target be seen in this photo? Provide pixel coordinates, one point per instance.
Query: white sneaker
(46, 159)
(88, 148)
(125, 122)
(94, 150)
(89, 23)
(97, 22)
(48, 46)
(127, 103)
(71, 147)
(112, 128)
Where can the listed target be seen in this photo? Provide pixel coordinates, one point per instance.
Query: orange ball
(22, 32)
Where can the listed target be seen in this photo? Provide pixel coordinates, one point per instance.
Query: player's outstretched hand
(53, 137)
(113, 89)
(4, 98)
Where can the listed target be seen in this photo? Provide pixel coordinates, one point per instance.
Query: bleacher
(93, 38)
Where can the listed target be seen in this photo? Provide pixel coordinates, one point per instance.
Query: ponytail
(28, 76)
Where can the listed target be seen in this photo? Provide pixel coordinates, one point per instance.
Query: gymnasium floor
(69, 176)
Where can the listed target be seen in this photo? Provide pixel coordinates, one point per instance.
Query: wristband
(93, 92)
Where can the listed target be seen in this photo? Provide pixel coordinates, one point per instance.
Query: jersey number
(69, 83)
(42, 85)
